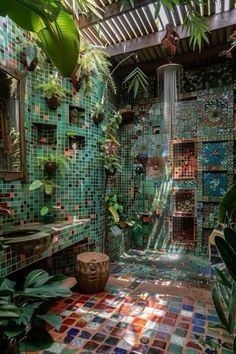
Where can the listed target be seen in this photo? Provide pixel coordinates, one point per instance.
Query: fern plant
(93, 65)
(138, 80)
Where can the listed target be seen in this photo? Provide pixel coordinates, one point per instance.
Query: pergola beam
(215, 22)
(192, 57)
(111, 11)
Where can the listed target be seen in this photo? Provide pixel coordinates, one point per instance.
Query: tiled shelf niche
(76, 115)
(184, 160)
(77, 142)
(44, 134)
(183, 202)
(183, 230)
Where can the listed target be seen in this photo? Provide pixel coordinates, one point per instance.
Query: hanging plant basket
(110, 173)
(122, 224)
(98, 117)
(50, 167)
(127, 116)
(53, 102)
(32, 63)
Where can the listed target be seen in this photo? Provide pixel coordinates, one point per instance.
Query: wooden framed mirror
(12, 137)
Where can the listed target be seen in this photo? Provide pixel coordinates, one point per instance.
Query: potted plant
(24, 311)
(98, 113)
(109, 144)
(53, 162)
(54, 92)
(127, 114)
(29, 55)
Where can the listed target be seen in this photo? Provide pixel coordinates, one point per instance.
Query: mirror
(12, 152)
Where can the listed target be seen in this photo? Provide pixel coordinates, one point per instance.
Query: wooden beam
(151, 66)
(111, 11)
(215, 22)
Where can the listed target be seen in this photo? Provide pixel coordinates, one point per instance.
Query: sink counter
(64, 234)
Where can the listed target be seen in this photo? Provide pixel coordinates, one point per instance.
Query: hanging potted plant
(127, 114)
(51, 163)
(98, 113)
(54, 92)
(29, 55)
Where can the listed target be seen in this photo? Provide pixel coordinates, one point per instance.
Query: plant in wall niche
(54, 92)
(57, 34)
(53, 162)
(138, 80)
(98, 113)
(93, 66)
(24, 311)
(109, 144)
(115, 207)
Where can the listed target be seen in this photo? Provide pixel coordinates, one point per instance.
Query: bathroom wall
(184, 204)
(80, 191)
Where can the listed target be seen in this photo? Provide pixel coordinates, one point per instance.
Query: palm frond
(138, 80)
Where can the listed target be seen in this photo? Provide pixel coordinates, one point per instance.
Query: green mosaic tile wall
(81, 188)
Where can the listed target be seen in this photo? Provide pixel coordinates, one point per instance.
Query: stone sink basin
(30, 241)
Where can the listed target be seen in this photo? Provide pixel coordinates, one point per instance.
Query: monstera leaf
(57, 33)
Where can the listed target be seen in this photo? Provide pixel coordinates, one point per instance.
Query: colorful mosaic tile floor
(157, 266)
(123, 321)
(135, 317)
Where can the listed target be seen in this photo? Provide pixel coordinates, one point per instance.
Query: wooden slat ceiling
(133, 23)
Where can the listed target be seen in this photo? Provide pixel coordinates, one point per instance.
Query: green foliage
(138, 80)
(86, 7)
(48, 186)
(53, 25)
(224, 291)
(93, 66)
(109, 144)
(53, 87)
(63, 162)
(24, 309)
(227, 206)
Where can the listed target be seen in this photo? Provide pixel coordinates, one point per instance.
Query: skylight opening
(125, 17)
(136, 23)
(140, 18)
(105, 34)
(113, 31)
(118, 29)
(86, 34)
(124, 27)
(180, 14)
(148, 20)
(227, 5)
(218, 6)
(163, 16)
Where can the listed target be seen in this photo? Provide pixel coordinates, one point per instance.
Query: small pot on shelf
(53, 102)
(98, 117)
(50, 167)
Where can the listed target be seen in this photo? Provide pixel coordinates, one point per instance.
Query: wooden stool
(92, 272)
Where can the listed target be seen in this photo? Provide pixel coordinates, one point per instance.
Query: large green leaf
(26, 314)
(227, 206)
(227, 254)
(35, 185)
(53, 320)
(47, 291)
(219, 307)
(230, 237)
(36, 277)
(61, 43)
(37, 339)
(14, 330)
(232, 309)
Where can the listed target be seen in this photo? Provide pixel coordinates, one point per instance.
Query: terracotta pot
(123, 224)
(53, 102)
(50, 167)
(98, 117)
(109, 173)
(127, 117)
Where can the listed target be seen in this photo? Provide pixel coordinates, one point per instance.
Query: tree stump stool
(92, 272)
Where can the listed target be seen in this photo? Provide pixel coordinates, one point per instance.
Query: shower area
(158, 166)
